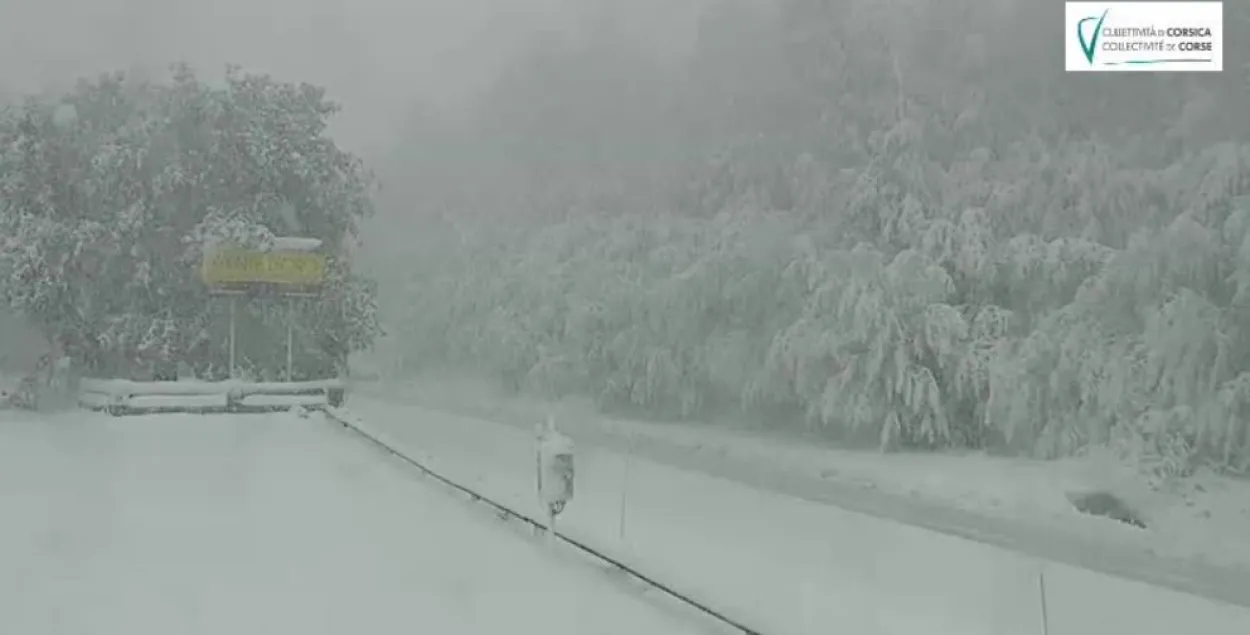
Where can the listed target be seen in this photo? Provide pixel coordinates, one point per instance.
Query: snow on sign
(240, 266)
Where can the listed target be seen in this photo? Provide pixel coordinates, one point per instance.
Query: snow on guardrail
(120, 396)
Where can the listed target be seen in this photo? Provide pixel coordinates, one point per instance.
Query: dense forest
(896, 223)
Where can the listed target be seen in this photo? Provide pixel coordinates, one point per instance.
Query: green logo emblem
(1088, 46)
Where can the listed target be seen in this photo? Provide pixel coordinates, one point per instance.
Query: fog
(705, 209)
(887, 226)
(376, 57)
(381, 60)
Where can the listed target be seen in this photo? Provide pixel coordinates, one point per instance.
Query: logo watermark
(1144, 36)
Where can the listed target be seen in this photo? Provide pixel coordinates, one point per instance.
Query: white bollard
(555, 472)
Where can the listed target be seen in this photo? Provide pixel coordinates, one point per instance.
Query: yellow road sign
(242, 266)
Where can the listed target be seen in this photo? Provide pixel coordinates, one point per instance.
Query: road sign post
(233, 311)
(293, 268)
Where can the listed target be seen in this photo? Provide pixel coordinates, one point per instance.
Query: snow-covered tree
(869, 228)
(109, 194)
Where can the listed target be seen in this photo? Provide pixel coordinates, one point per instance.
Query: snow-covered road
(788, 566)
(268, 524)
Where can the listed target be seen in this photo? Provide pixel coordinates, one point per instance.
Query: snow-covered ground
(1199, 528)
(268, 524)
(788, 566)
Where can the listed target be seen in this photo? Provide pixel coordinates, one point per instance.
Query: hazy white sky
(375, 56)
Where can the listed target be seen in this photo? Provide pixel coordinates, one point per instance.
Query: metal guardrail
(121, 397)
(507, 512)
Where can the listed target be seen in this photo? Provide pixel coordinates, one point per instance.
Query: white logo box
(1144, 37)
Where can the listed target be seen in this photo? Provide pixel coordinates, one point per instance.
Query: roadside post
(556, 472)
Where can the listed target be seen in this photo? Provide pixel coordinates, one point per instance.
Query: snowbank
(119, 396)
